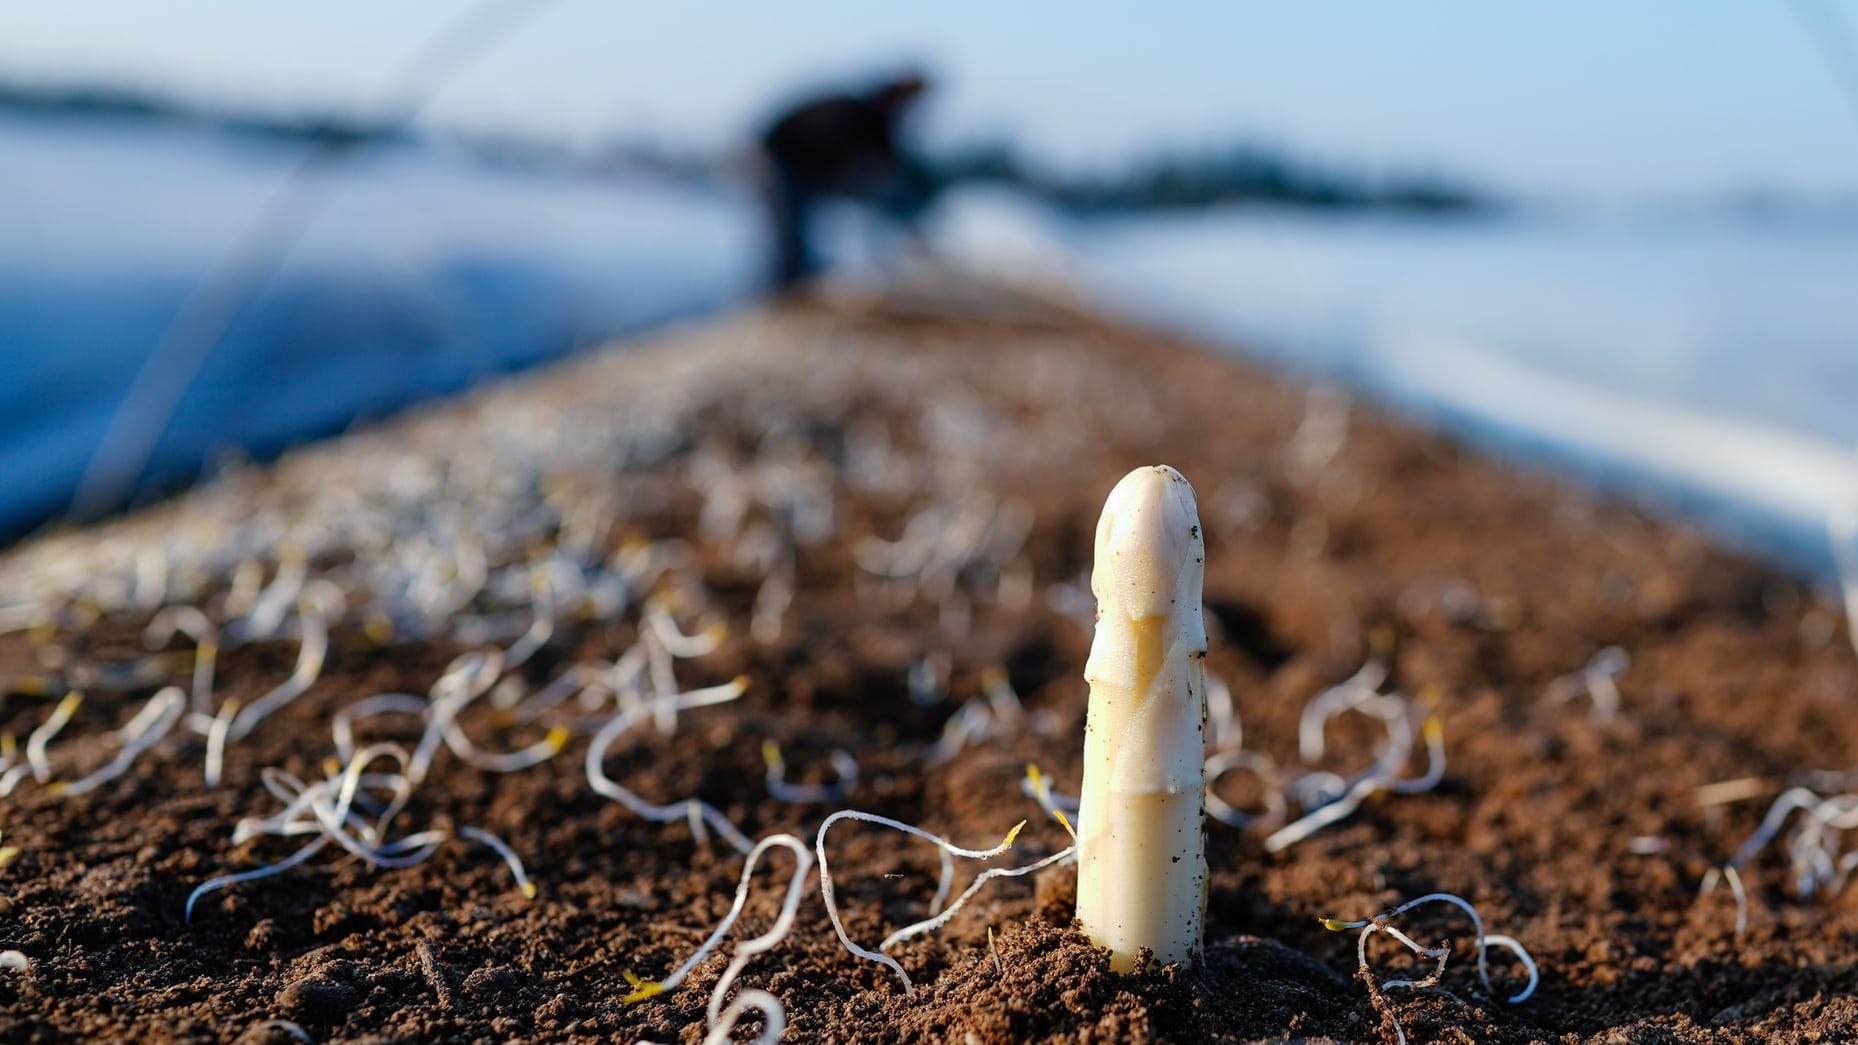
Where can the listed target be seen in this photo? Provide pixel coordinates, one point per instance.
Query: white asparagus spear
(1141, 878)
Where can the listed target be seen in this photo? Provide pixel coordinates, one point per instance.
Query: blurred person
(837, 146)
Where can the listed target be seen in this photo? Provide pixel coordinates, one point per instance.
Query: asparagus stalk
(1141, 878)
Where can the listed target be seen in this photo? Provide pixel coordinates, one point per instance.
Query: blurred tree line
(1165, 180)
(1192, 178)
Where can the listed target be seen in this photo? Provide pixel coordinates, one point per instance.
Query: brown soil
(1737, 671)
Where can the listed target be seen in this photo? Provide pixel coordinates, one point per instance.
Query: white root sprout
(189, 621)
(140, 733)
(773, 1018)
(1728, 873)
(1597, 681)
(722, 1020)
(313, 620)
(39, 739)
(1220, 763)
(335, 809)
(939, 914)
(1331, 798)
(701, 816)
(844, 768)
(1381, 923)
(1815, 847)
(1326, 798)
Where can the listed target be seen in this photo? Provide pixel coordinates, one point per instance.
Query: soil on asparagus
(1328, 530)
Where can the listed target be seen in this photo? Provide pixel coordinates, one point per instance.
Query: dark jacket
(842, 144)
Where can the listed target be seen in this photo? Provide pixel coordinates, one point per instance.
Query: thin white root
(1297, 830)
(748, 949)
(1361, 688)
(1303, 827)
(42, 736)
(1597, 681)
(658, 618)
(948, 850)
(701, 815)
(773, 1018)
(768, 618)
(216, 735)
(1060, 807)
(541, 627)
(1219, 764)
(843, 766)
(310, 654)
(266, 871)
(142, 732)
(1380, 924)
(1728, 873)
(504, 853)
(189, 621)
(343, 725)
(1814, 846)
(803, 861)
(328, 810)
(937, 921)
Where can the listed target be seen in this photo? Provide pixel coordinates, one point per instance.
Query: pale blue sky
(1582, 98)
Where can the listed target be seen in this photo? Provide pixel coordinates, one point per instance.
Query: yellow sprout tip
(70, 702)
(1033, 774)
(8, 745)
(1381, 641)
(57, 787)
(991, 677)
(7, 853)
(1434, 728)
(770, 752)
(740, 682)
(528, 890)
(1064, 822)
(1334, 925)
(331, 766)
(379, 630)
(1014, 833)
(557, 738)
(641, 989)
